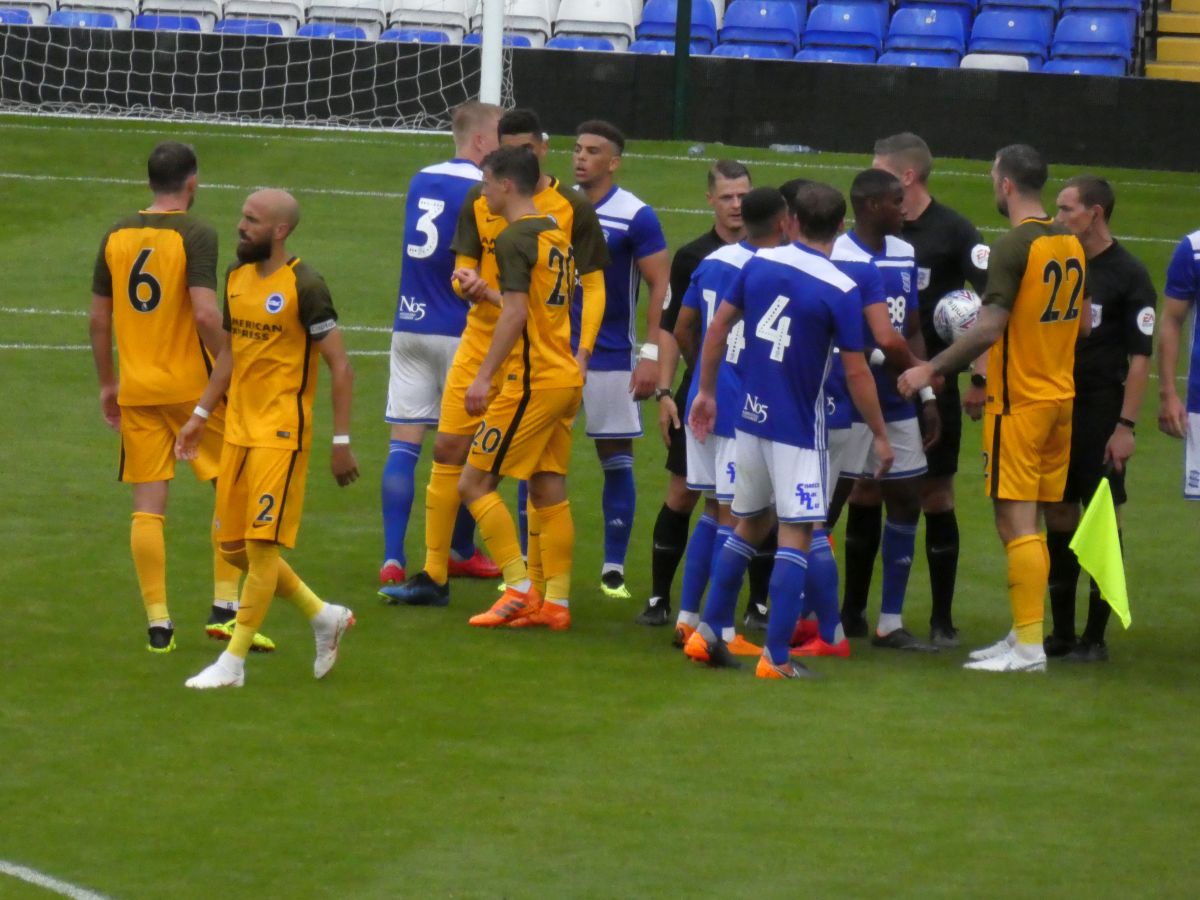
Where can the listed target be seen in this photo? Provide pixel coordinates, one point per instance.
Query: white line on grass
(351, 135)
(34, 877)
(389, 195)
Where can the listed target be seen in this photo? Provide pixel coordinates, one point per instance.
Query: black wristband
(1128, 423)
(978, 380)
(662, 392)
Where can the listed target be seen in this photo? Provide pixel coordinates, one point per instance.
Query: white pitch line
(350, 135)
(39, 879)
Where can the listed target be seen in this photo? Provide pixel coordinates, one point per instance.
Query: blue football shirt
(427, 303)
(797, 305)
(633, 232)
(710, 284)
(1183, 283)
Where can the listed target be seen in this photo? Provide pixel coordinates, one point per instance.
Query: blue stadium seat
(844, 25)
(1046, 9)
(754, 51)
(415, 36)
(509, 40)
(1013, 32)
(861, 55)
(667, 48)
(166, 23)
(15, 17)
(964, 9)
(762, 22)
(881, 8)
(1132, 8)
(927, 28)
(579, 42)
(658, 22)
(1093, 35)
(1078, 66)
(925, 59)
(338, 31)
(71, 18)
(261, 27)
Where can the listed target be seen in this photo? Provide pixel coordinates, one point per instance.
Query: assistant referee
(1112, 366)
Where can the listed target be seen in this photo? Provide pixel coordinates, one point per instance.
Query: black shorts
(1092, 424)
(942, 457)
(677, 451)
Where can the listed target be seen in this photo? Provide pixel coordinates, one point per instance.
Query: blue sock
(697, 563)
(899, 545)
(462, 542)
(523, 516)
(821, 586)
(396, 492)
(724, 533)
(787, 597)
(618, 502)
(726, 582)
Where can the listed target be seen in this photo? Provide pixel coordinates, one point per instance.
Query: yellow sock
(1028, 575)
(296, 592)
(226, 576)
(150, 562)
(558, 544)
(534, 547)
(257, 592)
(499, 533)
(441, 509)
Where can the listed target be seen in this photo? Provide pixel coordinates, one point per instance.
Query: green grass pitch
(438, 761)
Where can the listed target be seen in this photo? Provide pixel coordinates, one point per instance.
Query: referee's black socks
(670, 541)
(864, 529)
(941, 552)
(1064, 577)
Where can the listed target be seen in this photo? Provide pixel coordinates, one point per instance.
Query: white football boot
(1019, 658)
(227, 671)
(329, 625)
(999, 648)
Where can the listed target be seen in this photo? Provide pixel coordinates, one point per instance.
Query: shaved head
(268, 217)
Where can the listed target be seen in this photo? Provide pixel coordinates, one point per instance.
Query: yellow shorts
(1026, 453)
(453, 417)
(260, 494)
(523, 433)
(148, 442)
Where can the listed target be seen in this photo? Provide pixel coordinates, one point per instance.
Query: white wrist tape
(649, 351)
(200, 411)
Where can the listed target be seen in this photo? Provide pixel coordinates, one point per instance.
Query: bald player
(276, 310)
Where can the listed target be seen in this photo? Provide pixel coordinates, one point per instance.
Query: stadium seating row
(1096, 36)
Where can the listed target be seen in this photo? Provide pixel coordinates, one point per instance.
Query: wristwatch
(662, 392)
(978, 380)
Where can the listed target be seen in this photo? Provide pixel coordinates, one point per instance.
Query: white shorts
(845, 456)
(610, 408)
(711, 465)
(859, 459)
(790, 478)
(1191, 458)
(420, 364)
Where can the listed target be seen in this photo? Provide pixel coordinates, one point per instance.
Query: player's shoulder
(736, 255)
(307, 278)
(577, 199)
(897, 248)
(1191, 241)
(846, 249)
(452, 169)
(620, 204)
(807, 262)
(947, 216)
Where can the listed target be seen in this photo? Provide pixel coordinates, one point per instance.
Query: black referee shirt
(950, 252)
(1123, 301)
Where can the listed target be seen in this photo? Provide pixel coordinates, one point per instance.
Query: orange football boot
(552, 615)
(511, 606)
(739, 646)
(682, 633)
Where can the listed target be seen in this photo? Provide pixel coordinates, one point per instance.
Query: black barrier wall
(1133, 122)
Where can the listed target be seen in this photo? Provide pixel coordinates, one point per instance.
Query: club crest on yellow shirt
(275, 303)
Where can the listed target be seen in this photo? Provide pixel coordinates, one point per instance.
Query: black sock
(864, 529)
(1098, 608)
(670, 540)
(941, 552)
(1064, 576)
(761, 566)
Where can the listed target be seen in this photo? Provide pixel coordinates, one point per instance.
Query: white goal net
(123, 71)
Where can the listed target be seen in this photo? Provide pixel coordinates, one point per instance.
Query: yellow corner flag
(1099, 550)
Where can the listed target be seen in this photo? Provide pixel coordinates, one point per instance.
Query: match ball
(955, 313)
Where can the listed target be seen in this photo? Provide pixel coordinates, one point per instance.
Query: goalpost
(253, 80)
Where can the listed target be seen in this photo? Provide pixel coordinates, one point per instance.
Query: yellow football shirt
(146, 264)
(274, 324)
(1037, 272)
